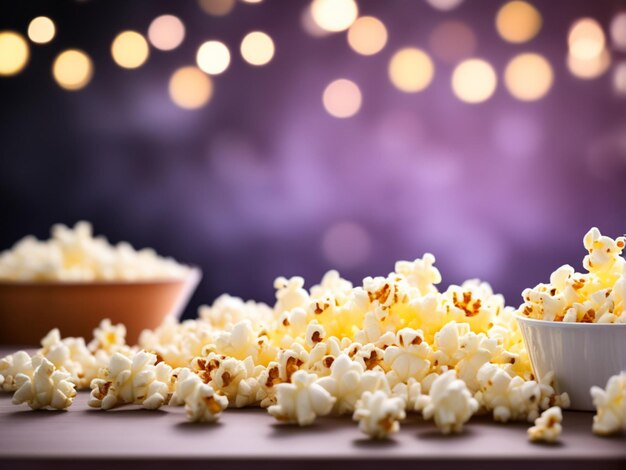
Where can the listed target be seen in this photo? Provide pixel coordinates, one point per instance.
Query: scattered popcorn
(201, 402)
(547, 427)
(378, 414)
(593, 297)
(71, 355)
(74, 254)
(108, 337)
(48, 387)
(610, 406)
(449, 403)
(302, 400)
(12, 365)
(137, 380)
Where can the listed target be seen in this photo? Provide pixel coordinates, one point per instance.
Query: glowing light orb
(346, 244)
(41, 30)
(586, 39)
(452, 41)
(166, 32)
(334, 15)
(474, 81)
(213, 57)
(190, 88)
(518, 22)
(130, 50)
(444, 5)
(14, 53)
(528, 77)
(590, 68)
(342, 98)
(411, 70)
(217, 7)
(257, 48)
(367, 35)
(619, 79)
(72, 69)
(618, 30)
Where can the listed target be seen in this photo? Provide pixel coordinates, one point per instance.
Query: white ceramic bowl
(580, 354)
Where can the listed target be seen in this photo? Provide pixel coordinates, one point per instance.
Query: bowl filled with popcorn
(74, 279)
(575, 325)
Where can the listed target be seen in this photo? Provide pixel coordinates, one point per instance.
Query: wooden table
(129, 437)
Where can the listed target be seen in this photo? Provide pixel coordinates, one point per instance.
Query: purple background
(249, 186)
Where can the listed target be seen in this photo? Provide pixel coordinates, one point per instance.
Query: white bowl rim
(194, 272)
(560, 324)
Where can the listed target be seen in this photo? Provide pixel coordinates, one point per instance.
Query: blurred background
(288, 137)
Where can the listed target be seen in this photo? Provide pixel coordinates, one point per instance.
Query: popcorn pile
(597, 296)
(74, 254)
(392, 346)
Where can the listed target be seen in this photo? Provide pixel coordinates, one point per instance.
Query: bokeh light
(474, 81)
(619, 79)
(452, 41)
(342, 98)
(346, 245)
(528, 76)
(518, 21)
(251, 1)
(310, 26)
(41, 30)
(618, 31)
(367, 35)
(213, 57)
(586, 39)
(72, 69)
(166, 32)
(190, 88)
(257, 48)
(411, 70)
(130, 50)
(444, 5)
(14, 53)
(590, 68)
(217, 7)
(334, 15)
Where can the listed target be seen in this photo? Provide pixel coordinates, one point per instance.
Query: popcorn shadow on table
(32, 415)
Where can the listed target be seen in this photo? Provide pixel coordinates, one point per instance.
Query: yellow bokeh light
(213, 57)
(72, 69)
(190, 88)
(411, 70)
(14, 53)
(217, 7)
(367, 35)
(452, 41)
(518, 21)
(342, 98)
(474, 81)
(41, 30)
(257, 48)
(586, 39)
(334, 15)
(166, 32)
(130, 50)
(590, 68)
(528, 77)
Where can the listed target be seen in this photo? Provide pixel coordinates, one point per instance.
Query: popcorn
(593, 297)
(74, 254)
(302, 400)
(202, 403)
(449, 403)
(547, 427)
(378, 414)
(227, 311)
(47, 387)
(610, 406)
(135, 380)
(108, 337)
(344, 383)
(410, 357)
(71, 355)
(12, 365)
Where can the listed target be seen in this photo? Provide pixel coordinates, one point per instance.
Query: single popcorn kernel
(547, 427)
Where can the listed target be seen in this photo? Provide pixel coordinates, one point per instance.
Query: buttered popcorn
(74, 254)
(395, 340)
(610, 406)
(596, 296)
(547, 427)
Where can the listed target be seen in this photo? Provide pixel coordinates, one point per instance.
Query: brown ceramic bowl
(28, 310)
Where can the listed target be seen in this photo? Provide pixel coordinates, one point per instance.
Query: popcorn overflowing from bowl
(392, 346)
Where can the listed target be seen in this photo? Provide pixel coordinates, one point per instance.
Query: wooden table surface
(133, 436)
